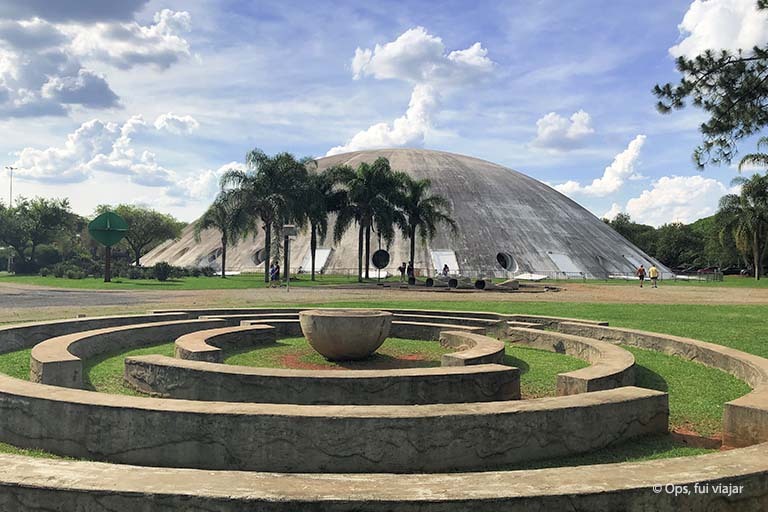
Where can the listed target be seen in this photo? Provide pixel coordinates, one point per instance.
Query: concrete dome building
(502, 215)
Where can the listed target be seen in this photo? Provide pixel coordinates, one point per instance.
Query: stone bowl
(345, 334)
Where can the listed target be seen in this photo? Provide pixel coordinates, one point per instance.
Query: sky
(150, 101)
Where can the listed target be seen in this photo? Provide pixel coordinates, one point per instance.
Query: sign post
(108, 229)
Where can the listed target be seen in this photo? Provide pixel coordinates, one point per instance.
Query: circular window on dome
(507, 261)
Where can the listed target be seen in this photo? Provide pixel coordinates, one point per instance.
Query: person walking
(272, 278)
(409, 271)
(653, 273)
(401, 269)
(446, 270)
(641, 275)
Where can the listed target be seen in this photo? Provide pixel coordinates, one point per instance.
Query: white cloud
(42, 70)
(721, 24)
(71, 11)
(96, 146)
(204, 185)
(125, 45)
(406, 130)
(558, 133)
(613, 212)
(621, 169)
(677, 199)
(176, 124)
(419, 58)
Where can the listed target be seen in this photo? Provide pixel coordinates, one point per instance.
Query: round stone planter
(345, 334)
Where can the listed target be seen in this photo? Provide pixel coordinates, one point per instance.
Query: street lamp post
(10, 205)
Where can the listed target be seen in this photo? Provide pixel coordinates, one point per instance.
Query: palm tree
(422, 211)
(756, 159)
(269, 189)
(369, 201)
(321, 199)
(745, 216)
(225, 215)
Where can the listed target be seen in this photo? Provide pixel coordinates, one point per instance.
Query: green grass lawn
(185, 283)
(539, 369)
(727, 282)
(105, 373)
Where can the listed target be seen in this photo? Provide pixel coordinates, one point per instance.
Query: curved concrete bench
(309, 438)
(209, 345)
(59, 361)
(551, 322)
(472, 349)
(194, 380)
(21, 336)
(29, 483)
(610, 366)
(745, 420)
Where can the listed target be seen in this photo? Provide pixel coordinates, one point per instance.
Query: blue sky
(148, 101)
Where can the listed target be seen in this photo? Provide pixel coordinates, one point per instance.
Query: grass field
(185, 283)
(257, 281)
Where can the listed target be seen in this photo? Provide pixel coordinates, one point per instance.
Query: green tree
(371, 192)
(270, 189)
(423, 212)
(147, 228)
(678, 244)
(642, 235)
(745, 216)
(226, 216)
(756, 159)
(30, 223)
(320, 199)
(732, 88)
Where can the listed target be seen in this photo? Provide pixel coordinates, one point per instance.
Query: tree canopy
(731, 87)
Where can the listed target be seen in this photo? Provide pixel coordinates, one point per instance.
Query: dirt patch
(688, 436)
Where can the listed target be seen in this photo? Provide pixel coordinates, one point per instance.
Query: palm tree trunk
(367, 251)
(413, 249)
(267, 249)
(756, 255)
(360, 231)
(223, 256)
(313, 248)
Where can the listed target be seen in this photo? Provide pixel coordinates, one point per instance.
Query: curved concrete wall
(209, 345)
(611, 366)
(305, 438)
(194, 380)
(745, 420)
(59, 361)
(21, 336)
(35, 484)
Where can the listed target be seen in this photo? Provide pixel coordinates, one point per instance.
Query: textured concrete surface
(193, 380)
(610, 366)
(20, 336)
(307, 438)
(551, 322)
(345, 334)
(210, 344)
(745, 420)
(497, 210)
(59, 361)
(471, 349)
(35, 485)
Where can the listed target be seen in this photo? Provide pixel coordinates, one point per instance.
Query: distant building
(502, 215)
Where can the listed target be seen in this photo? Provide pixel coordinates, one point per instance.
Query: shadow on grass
(518, 363)
(646, 378)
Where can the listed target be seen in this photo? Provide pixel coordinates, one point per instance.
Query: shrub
(58, 270)
(208, 271)
(75, 274)
(162, 270)
(135, 273)
(196, 272)
(45, 271)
